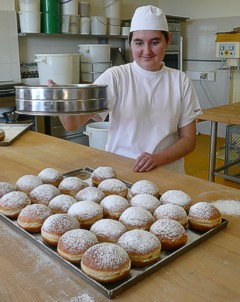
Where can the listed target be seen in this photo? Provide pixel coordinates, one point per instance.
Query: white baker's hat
(149, 17)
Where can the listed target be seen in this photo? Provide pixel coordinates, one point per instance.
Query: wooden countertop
(209, 272)
(228, 114)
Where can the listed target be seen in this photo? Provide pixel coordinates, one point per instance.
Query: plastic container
(98, 25)
(29, 5)
(114, 26)
(70, 24)
(30, 22)
(85, 25)
(97, 134)
(69, 7)
(112, 8)
(58, 67)
(84, 9)
(95, 52)
(50, 6)
(51, 23)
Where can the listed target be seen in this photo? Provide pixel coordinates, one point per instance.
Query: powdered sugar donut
(50, 176)
(113, 187)
(113, 206)
(44, 194)
(90, 193)
(171, 233)
(204, 216)
(86, 212)
(142, 247)
(61, 203)
(177, 197)
(136, 218)
(72, 244)
(171, 211)
(27, 183)
(144, 187)
(71, 185)
(56, 225)
(106, 262)
(5, 188)
(102, 173)
(12, 203)
(146, 201)
(32, 217)
(108, 230)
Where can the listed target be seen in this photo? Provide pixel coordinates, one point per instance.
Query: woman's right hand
(51, 83)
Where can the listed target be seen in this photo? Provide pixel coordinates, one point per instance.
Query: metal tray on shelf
(136, 274)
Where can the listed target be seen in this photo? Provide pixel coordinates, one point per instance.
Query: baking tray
(136, 274)
(73, 99)
(13, 132)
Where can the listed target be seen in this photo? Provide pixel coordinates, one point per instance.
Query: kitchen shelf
(72, 35)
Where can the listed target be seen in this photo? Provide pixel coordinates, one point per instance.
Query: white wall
(7, 5)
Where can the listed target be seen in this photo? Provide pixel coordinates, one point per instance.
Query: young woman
(152, 108)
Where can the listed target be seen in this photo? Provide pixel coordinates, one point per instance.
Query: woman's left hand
(145, 162)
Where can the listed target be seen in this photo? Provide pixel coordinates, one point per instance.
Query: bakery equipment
(70, 99)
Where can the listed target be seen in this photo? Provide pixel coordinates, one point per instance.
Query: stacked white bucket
(29, 16)
(70, 16)
(95, 59)
(112, 10)
(61, 68)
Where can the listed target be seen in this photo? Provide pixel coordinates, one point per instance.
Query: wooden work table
(209, 272)
(227, 114)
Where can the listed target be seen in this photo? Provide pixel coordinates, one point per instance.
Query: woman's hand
(145, 162)
(51, 83)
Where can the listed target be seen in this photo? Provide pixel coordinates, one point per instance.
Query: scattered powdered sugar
(77, 240)
(228, 207)
(85, 209)
(61, 203)
(167, 228)
(105, 256)
(83, 298)
(176, 197)
(139, 241)
(136, 216)
(60, 223)
(144, 186)
(110, 228)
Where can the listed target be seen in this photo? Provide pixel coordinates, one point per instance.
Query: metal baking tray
(13, 132)
(136, 274)
(73, 99)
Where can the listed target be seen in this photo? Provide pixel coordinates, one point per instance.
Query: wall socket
(202, 75)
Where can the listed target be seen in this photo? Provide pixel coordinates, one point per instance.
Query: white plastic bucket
(112, 8)
(125, 30)
(30, 22)
(70, 24)
(95, 52)
(98, 134)
(85, 25)
(29, 5)
(114, 26)
(69, 7)
(58, 67)
(76, 68)
(98, 25)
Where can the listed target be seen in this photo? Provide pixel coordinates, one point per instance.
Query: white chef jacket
(146, 109)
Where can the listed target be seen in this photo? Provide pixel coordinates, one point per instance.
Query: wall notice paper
(13, 132)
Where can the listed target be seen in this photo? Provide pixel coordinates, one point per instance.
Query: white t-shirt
(146, 109)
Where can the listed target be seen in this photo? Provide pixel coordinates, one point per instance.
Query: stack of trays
(71, 99)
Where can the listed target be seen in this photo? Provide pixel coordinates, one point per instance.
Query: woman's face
(148, 48)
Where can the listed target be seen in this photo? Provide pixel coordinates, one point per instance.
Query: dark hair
(165, 33)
